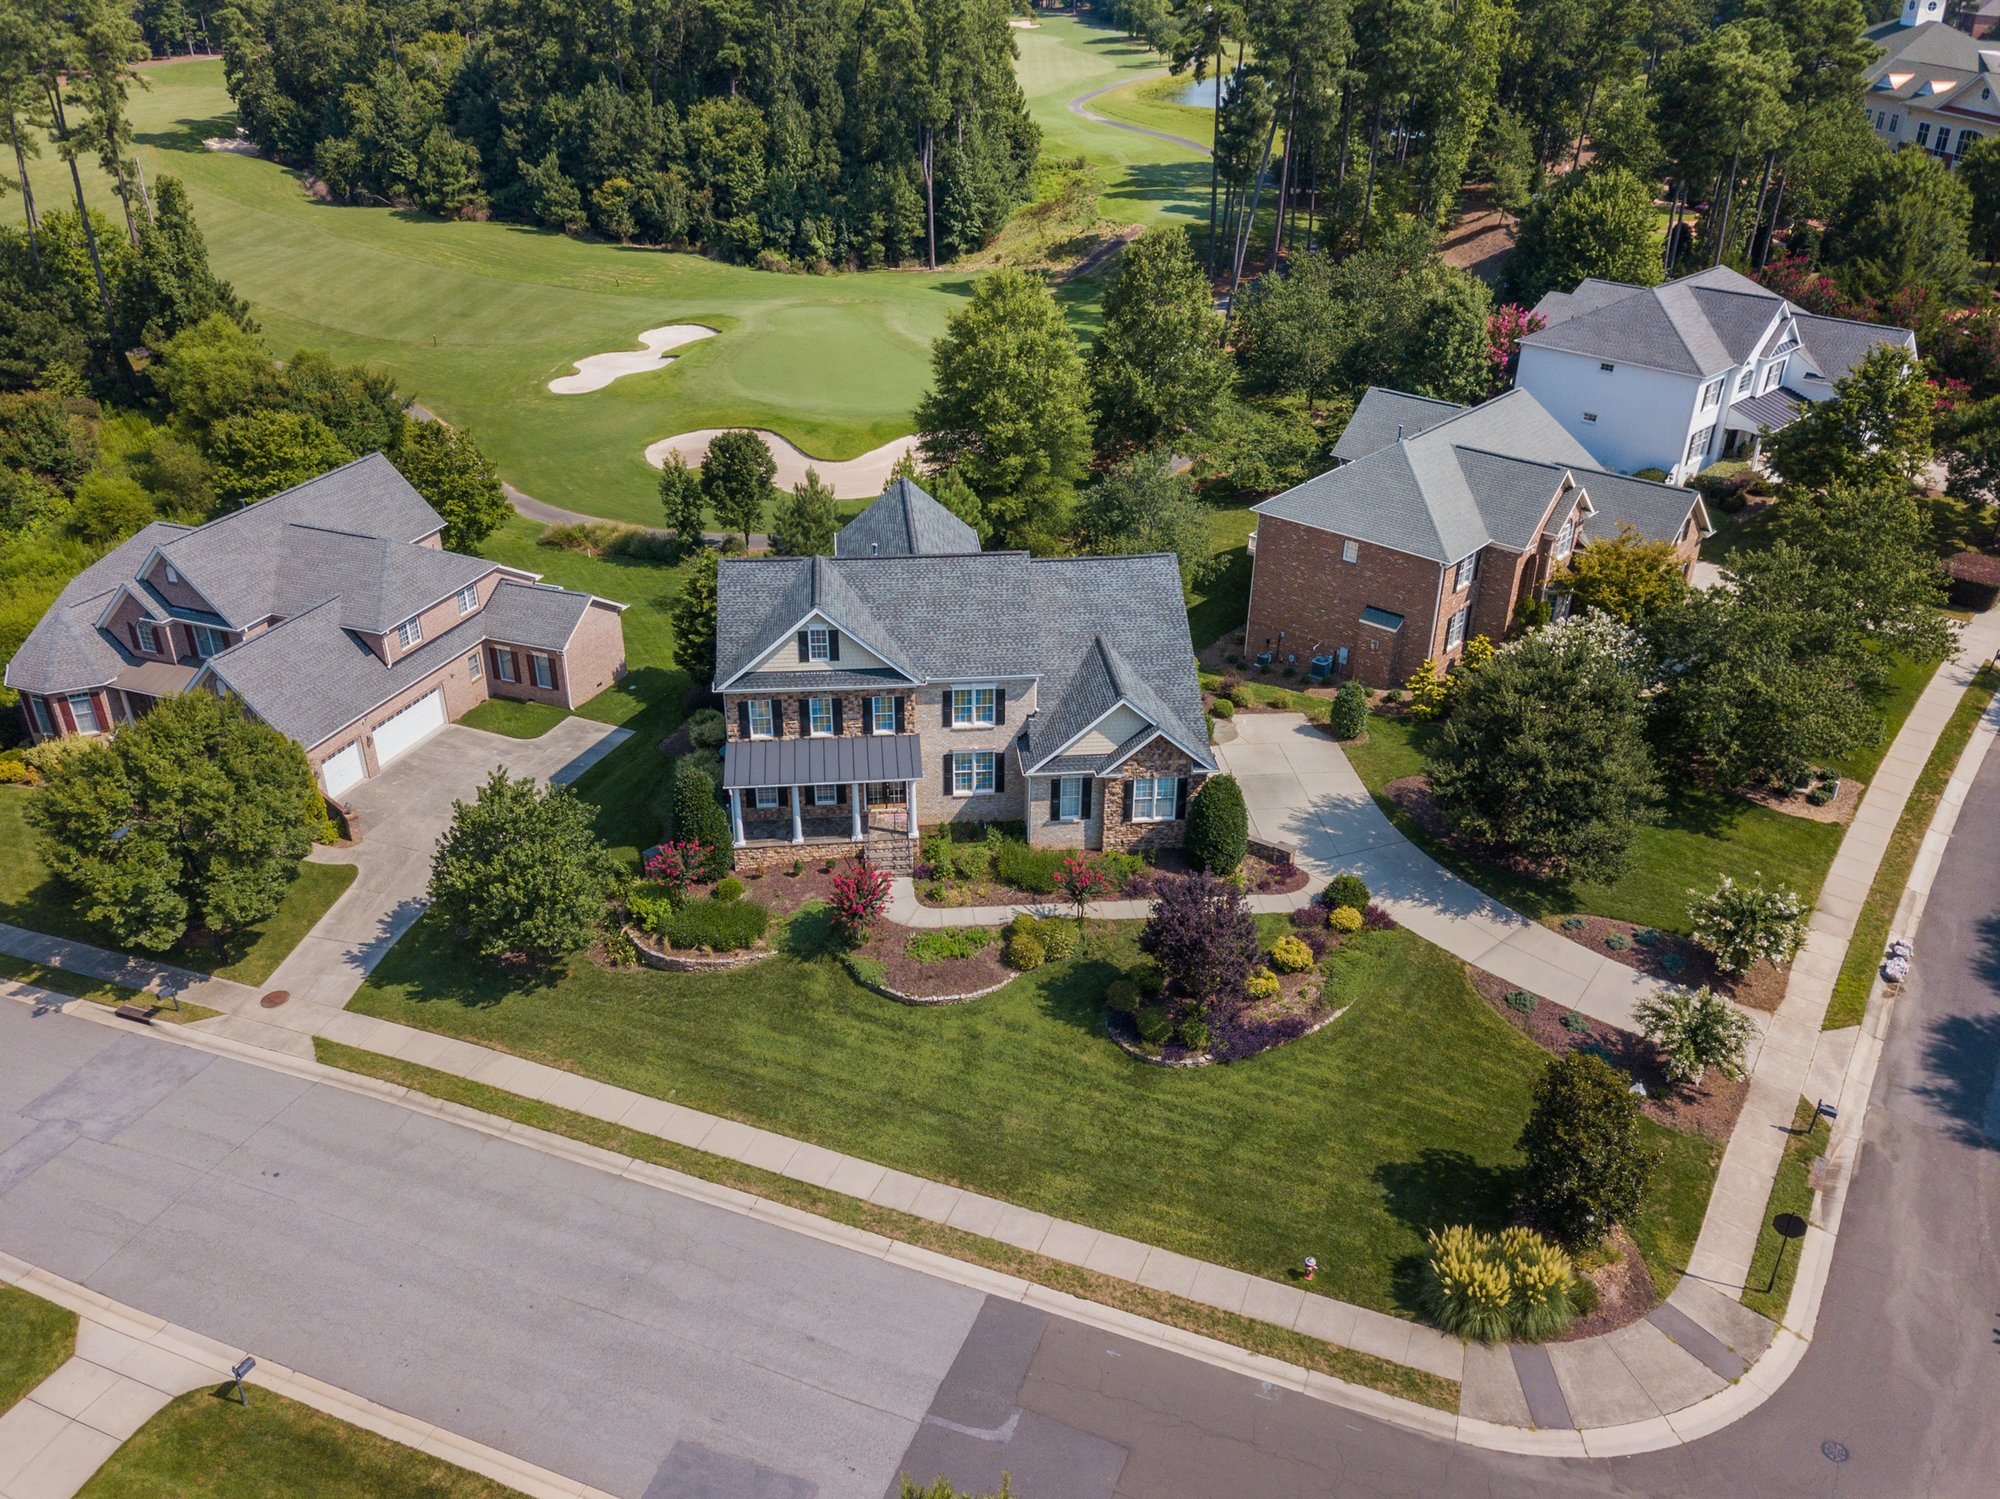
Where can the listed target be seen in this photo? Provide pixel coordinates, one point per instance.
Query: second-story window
(1711, 393)
(410, 631)
(972, 707)
(882, 714)
(142, 631)
(760, 718)
(1743, 380)
(819, 715)
(1565, 539)
(468, 598)
(1468, 569)
(819, 644)
(207, 642)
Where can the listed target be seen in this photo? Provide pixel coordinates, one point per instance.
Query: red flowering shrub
(676, 866)
(859, 898)
(1506, 326)
(1081, 882)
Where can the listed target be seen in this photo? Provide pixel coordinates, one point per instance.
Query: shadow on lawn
(430, 964)
(1075, 996)
(1437, 1189)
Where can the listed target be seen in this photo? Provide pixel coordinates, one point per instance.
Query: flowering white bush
(1596, 633)
(1695, 1030)
(1740, 924)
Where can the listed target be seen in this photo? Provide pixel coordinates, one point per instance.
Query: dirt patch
(1795, 803)
(1625, 1290)
(1709, 1108)
(1674, 959)
(786, 893)
(1481, 238)
(949, 976)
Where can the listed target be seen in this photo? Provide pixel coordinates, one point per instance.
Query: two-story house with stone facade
(1437, 523)
(912, 679)
(1676, 377)
(331, 611)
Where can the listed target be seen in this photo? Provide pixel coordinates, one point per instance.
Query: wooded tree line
(821, 131)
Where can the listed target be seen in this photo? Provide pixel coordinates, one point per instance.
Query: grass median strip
(36, 1339)
(1774, 1267)
(97, 991)
(1871, 930)
(1244, 1332)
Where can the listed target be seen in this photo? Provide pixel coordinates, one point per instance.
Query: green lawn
(1400, 1117)
(1768, 1288)
(1705, 836)
(31, 898)
(36, 1339)
(1224, 601)
(202, 1446)
(79, 986)
(514, 718)
(1154, 104)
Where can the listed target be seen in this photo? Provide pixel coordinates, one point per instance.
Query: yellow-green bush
(1291, 955)
(1263, 984)
(1344, 919)
(1514, 1284)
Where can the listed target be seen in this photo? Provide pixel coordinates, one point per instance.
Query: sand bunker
(851, 479)
(599, 370)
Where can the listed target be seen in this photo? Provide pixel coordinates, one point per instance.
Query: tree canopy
(1597, 223)
(445, 466)
(1159, 365)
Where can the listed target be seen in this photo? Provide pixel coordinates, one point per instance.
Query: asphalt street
(666, 1349)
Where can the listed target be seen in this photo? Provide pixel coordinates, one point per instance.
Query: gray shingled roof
(1835, 345)
(1482, 477)
(999, 615)
(66, 652)
(1386, 415)
(537, 615)
(1697, 325)
(905, 522)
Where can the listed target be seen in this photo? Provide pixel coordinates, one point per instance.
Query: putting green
(474, 320)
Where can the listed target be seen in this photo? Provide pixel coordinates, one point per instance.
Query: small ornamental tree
(1081, 882)
(1746, 924)
(1218, 826)
(1695, 1030)
(519, 871)
(1587, 1167)
(1429, 693)
(700, 817)
(1203, 937)
(676, 866)
(736, 478)
(859, 898)
(681, 502)
(1349, 715)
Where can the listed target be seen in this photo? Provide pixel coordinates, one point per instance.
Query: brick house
(912, 679)
(1437, 522)
(331, 611)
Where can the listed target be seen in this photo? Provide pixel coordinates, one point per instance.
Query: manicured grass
(1706, 835)
(1871, 928)
(1905, 684)
(1159, 1306)
(1768, 1288)
(36, 1339)
(515, 719)
(30, 897)
(1154, 103)
(202, 1446)
(1669, 1220)
(1400, 1117)
(80, 986)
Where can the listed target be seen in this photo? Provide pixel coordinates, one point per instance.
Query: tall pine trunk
(1285, 165)
(61, 121)
(1728, 196)
(1214, 152)
(930, 198)
(1250, 217)
(1340, 164)
(1763, 252)
(1583, 125)
(27, 188)
(1368, 194)
(1757, 219)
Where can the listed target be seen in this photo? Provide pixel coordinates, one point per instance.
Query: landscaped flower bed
(1675, 959)
(936, 965)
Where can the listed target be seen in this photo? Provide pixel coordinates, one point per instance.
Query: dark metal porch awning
(1770, 411)
(820, 762)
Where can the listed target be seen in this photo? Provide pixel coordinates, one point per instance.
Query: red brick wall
(853, 711)
(595, 655)
(436, 620)
(1302, 587)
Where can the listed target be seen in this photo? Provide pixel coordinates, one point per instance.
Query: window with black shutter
(743, 719)
(900, 729)
(805, 649)
(838, 717)
(1181, 798)
(999, 705)
(1055, 798)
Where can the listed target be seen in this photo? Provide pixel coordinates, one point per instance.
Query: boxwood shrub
(718, 925)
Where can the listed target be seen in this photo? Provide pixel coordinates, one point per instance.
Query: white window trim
(39, 711)
(503, 665)
(172, 576)
(1565, 540)
(826, 796)
(148, 640)
(972, 720)
(819, 643)
(410, 632)
(966, 766)
(765, 799)
(1466, 573)
(90, 707)
(1454, 632)
(770, 718)
(468, 598)
(813, 731)
(475, 665)
(1156, 788)
(540, 667)
(1069, 798)
(875, 715)
(1350, 551)
(208, 641)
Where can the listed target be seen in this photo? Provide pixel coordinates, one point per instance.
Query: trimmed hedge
(1218, 826)
(718, 925)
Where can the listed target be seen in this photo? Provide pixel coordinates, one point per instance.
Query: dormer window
(142, 631)
(819, 643)
(409, 632)
(468, 598)
(207, 642)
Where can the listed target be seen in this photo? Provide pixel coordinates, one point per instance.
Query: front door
(886, 809)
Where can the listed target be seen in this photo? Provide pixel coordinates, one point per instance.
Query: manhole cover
(275, 998)
(1833, 1451)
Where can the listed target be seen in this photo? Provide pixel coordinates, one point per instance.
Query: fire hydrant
(1312, 1267)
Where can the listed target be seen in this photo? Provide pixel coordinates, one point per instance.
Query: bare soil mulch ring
(1412, 795)
(1675, 959)
(1245, 1028)
(947, 977)
(1625, 1290)
(784, 892)
(1708, 1108)
(1795, 804)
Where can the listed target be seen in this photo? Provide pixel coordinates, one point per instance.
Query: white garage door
(414, 724)
(340, 771)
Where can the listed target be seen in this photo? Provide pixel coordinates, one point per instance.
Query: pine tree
(807, 521)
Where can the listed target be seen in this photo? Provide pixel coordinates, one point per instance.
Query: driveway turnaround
(1300, 790)
(401, 814)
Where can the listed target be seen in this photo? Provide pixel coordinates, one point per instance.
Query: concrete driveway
(1300, 790)
(402, 813)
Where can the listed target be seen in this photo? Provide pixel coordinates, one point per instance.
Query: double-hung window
(468, 598)
(207, 642)
(973, 707)
(142, 630)
(1565, 539)
(409, 632)
(882, 714)
(1923, 132)
(972, 772)
(1069, 799)
(475, 666)
(1454, 635)
(1711, 393)
(826, 796)
(1698, 444)
(40, 711)
(1154, 798)
(819, 644)
(819, 716)
(543, 671)
(1467, 570)
(760, 718)
(767, 798)
(83, 709)
(1350, 551)
(503, 664)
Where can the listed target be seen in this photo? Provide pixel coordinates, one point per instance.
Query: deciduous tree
(445, 466)
(736, 479)
(1875, 430)
(259, 453)
(1597, 223)
(1627, 576)
(1159, 365)
(693, 617)
(1203, 937)
(680, 499)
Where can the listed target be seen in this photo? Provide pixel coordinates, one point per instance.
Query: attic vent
(874, 547)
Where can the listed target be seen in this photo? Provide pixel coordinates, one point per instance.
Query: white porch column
(854, 805)
(798, 822)
(910, 808)
(736, 815)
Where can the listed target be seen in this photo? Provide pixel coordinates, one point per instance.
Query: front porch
(858, 790)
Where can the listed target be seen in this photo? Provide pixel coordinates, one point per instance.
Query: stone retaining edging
(928, 999)
(1209, 1057)
(672, 962)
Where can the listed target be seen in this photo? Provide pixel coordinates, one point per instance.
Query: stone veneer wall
(1157, 759)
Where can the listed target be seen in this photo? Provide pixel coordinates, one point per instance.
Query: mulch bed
(932, 980)
(1260, 877)
(1794, 804)
(1674, 959)
(1412, 796)
(784, 892)
(1625, 1291)
(1709, 1109)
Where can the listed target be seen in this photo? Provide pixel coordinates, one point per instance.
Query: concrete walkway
(129, 1365)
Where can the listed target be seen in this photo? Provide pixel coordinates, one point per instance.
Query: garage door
(403, 732)
(340, 771)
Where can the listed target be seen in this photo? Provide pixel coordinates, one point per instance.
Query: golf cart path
(1080, 105)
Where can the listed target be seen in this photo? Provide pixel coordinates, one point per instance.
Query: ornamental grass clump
(1745, 924)
(1514, 1284)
